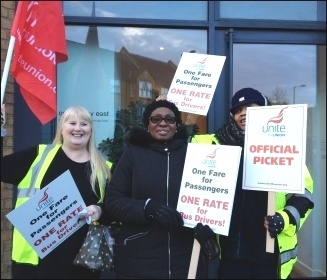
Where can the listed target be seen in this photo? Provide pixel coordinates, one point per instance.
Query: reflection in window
(275, 70)
(164, 91)
(140, 112)
(115, 72)
(145, 89)
(192, 10)
(277, 10)
(115, 83)
(288, 74)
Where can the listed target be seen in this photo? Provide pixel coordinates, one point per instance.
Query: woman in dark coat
(143, 194)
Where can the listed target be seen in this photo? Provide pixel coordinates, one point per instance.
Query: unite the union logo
(274, 126)
(200, 65)
(45, 201)
(210, 159)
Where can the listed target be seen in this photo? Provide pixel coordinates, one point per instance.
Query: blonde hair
(99, 169)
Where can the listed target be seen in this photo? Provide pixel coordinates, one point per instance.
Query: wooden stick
(194, 260)
(270, 242)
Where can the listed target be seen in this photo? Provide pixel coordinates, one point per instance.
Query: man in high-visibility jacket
(243, 251)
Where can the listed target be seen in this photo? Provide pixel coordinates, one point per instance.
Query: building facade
(122, 54)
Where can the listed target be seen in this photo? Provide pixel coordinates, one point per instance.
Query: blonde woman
(73, 149)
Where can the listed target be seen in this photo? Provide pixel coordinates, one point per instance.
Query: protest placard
(275, 148)
(208, 185)
(195, 82)
(51, 215)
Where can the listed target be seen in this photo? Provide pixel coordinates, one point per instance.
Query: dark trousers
(23, 271)
(244, 269)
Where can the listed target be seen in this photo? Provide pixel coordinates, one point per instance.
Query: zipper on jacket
(135, 236)
(167, 203)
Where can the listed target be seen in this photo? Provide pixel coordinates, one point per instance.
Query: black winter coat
(149, 169)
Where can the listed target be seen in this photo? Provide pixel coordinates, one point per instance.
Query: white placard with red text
(195, 82)
(275, 148)
(51, 215)
(208, 185)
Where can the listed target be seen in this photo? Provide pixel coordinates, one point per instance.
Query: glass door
(293, 74)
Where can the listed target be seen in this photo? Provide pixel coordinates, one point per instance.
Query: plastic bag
(98, 249)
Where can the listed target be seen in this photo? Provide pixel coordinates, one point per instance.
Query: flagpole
(6, 68)
(10, 51)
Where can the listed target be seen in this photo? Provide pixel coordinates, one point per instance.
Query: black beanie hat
(247, 96)
(157, 104)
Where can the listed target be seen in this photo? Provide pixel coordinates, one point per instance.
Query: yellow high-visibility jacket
(22, 252)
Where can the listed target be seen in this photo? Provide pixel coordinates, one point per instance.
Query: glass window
(277, 71)
(295, 74)
(145, 89)
(164, 91)
(277, 10)
(116, 71)
(287, 74)
(181, 10)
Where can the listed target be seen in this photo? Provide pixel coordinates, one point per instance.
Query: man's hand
(274, 224)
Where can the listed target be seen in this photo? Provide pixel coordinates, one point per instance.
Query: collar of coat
(142, 137)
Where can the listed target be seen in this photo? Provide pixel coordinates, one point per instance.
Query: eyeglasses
(158, 119)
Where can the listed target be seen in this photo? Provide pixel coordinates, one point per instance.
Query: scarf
(231, 134)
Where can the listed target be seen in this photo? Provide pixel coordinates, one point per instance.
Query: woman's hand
(161, 97)
(94, 212)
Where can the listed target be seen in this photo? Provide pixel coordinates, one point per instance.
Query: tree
(278, 97)
(126, 119)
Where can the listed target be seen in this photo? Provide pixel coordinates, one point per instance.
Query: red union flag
(40, 44)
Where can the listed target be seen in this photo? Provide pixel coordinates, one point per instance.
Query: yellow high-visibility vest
(22, 252)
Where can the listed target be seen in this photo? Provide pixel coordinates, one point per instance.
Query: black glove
(275, 224)
(166, 216)
(207, 239)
